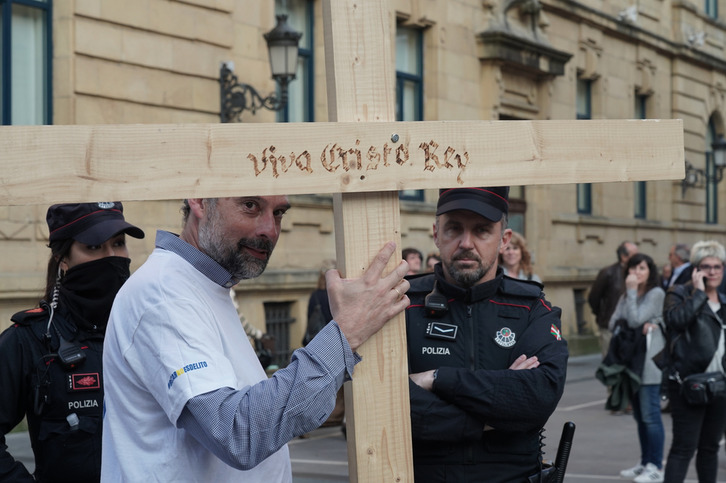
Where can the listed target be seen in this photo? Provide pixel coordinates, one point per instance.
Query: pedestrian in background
(641, 308)
(694, 317)
(516, 260)
(318, 317)
(665, 275)
(606, 290)
(431, 260)
(414, 258)
(681, 268)
(318, 306)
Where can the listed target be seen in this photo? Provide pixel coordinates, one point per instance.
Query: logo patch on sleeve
(84, 382)
(440, 330)
(188, 368)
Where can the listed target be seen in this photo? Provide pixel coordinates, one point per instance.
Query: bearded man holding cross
(186, 398)
(487, 357)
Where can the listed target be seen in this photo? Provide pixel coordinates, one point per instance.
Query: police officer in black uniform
(486, 354)
(50, 358)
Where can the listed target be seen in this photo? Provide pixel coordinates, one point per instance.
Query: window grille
(277, 322)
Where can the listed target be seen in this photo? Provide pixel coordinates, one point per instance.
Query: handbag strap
(677, 377)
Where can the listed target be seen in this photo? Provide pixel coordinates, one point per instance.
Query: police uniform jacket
(63, 404)
(485, 328)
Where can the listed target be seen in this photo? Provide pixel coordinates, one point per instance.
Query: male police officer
(475, 417)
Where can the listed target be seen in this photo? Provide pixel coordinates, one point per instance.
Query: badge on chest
(83, 382)
(440, 330)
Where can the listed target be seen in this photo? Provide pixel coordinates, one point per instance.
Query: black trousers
(495, 472)
(695, 428)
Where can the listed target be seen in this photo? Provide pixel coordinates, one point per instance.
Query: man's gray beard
(468, 278)
(239, 264)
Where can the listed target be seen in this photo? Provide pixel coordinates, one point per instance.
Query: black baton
(563, 451)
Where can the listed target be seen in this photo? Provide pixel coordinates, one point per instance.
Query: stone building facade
(158, 61)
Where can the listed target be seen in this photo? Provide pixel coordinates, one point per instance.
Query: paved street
(603, 445)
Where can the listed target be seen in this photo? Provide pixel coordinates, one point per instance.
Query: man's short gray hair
(682, 251)
(185, 209)
(705, 249)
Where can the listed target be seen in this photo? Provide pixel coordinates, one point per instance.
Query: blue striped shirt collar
(199, 260)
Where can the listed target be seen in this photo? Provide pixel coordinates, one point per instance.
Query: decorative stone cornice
(518, 53)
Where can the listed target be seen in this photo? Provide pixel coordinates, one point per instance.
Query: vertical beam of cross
(360, 80)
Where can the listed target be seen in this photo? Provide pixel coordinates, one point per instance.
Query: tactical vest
(66, 401)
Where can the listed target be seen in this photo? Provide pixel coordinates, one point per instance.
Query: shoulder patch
(27, 317)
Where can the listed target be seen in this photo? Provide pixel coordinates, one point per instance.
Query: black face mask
(87, 291)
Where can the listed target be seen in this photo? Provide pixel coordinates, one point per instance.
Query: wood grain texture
(361, 79)
(48, 164)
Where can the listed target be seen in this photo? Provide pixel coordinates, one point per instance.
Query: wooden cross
(364, 158)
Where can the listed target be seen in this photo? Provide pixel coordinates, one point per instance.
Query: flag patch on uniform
(556, 332)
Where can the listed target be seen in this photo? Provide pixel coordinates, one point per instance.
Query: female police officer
(50, 358)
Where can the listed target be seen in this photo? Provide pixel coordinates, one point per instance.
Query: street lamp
(719, 153)
(236, 97)
(697, 178)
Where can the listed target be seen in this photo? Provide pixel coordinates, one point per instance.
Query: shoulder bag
(702, 388)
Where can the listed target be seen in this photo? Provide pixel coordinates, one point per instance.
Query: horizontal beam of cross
(43, 164)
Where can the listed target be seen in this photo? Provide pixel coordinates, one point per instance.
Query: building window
(25, 69)
(277, 324)
(409, 74)
(584, 111)
(711, 8)
(640, 196)
(301, 101)
(517, 208)
(409, 85)
(711, 183)
(580, 304)
(517, 203)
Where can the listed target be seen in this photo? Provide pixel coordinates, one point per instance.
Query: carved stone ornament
(516, 36)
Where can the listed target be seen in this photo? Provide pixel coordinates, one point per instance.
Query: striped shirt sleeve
(243, 427)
